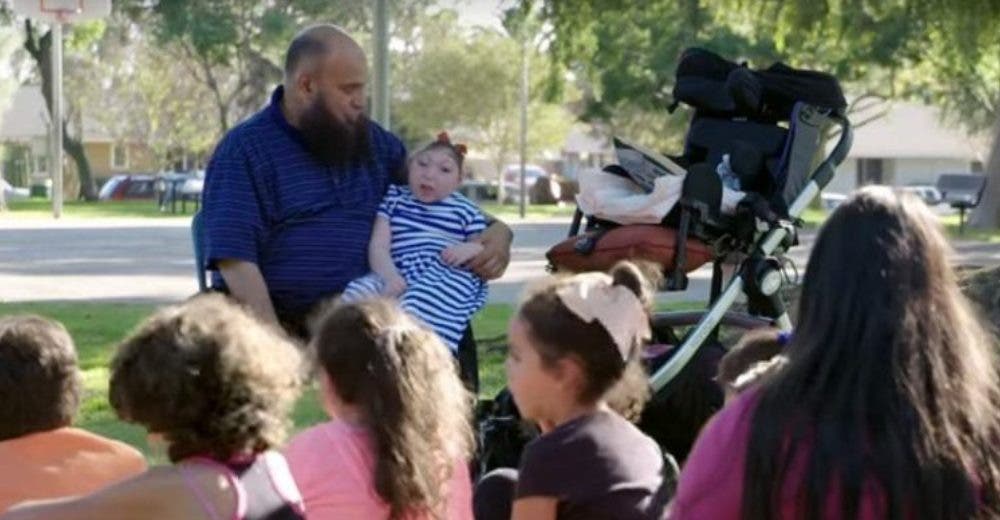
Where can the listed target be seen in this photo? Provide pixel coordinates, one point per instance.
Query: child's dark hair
(209, 377)
(39, 378)
(443, 142)
(754, 348)
(560, 333)
(891, 380)
(405, 380)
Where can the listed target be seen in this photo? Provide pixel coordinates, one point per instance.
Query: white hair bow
(594, 296)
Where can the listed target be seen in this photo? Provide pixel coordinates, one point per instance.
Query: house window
(119, 157)
(870, 171)
(42, 163)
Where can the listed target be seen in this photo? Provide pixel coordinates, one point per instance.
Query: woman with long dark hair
(889, 405)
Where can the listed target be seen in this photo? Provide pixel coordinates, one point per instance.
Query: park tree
(39, 46)
(9, 40)
(943, 52)
(467, 81)
(37, 42)
(140, 94)
(623, 59)
(235, 48)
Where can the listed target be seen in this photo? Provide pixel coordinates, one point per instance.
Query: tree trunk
(40, 51)
(987, 215)
(74, 148)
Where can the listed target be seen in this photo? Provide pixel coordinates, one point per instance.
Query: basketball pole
(57, 115)
(380, 97)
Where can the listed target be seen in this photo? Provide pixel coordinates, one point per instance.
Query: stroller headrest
(712, 84)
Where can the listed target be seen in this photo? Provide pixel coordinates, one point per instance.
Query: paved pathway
(150, 260)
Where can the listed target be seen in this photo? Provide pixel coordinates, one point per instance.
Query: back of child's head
(405, 381)
(601, 321)
(889, 357)
(443, 142)
(39, 378)
(752, 357)
(208, 377)
(880, 295)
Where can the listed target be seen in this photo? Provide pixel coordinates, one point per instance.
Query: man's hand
(394, 286)
(458, 254)
(492, 261)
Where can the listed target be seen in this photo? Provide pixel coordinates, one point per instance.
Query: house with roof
(910, 145)
(24, 137)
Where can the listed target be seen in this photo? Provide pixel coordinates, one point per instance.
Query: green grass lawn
(42, 208)
(511, 213)
(38, 208)
(97, 327)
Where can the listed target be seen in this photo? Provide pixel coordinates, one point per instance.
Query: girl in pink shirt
(399, 437)
(889, 404)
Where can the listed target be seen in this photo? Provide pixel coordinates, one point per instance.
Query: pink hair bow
(593, 296)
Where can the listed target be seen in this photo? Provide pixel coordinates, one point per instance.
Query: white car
(11, 193)
(830, 201)
(929, 194)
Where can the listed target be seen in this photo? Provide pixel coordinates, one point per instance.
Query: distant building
(24, 134)
(910, 145)
(585, 148)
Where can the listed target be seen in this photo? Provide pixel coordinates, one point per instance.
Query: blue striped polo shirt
(305, 224)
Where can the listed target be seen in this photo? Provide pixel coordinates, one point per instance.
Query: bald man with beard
(291, 193)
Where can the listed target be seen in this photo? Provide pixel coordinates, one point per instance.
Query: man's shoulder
(381, 135)
(250, 127)
(385, 144)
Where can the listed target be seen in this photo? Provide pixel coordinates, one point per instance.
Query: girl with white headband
(571, 342)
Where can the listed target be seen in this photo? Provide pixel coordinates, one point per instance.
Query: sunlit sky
(478, 12)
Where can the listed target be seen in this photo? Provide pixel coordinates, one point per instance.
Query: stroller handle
(823, 173)
(767, 244)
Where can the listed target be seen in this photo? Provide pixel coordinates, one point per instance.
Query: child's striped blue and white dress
(442, 296)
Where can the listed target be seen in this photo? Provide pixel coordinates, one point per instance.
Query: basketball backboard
(65, 11)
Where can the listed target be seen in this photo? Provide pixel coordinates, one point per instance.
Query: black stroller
(769, 126)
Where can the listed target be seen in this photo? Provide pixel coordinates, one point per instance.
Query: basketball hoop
(57, 13)
(63, 11)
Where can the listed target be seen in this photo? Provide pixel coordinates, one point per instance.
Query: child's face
(433, 175)
(533, 386)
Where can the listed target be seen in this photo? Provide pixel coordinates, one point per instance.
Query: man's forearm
(246, 284)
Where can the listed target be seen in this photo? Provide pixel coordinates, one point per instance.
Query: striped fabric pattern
(443, 297)
(305, 224)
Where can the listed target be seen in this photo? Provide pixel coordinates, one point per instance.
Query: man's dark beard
(331, 141)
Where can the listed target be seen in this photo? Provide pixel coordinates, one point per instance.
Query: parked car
(478, 190)
(128, 187)
(532, 174)
(929, 194)
(11, 193)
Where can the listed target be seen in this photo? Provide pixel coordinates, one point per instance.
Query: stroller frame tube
(767, 245)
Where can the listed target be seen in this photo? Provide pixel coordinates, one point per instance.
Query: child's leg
(360, 288)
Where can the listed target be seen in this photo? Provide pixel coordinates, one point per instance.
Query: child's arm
(158, 493)
(496, 239)
(458, 254)
(534, 508)
(380, 258)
